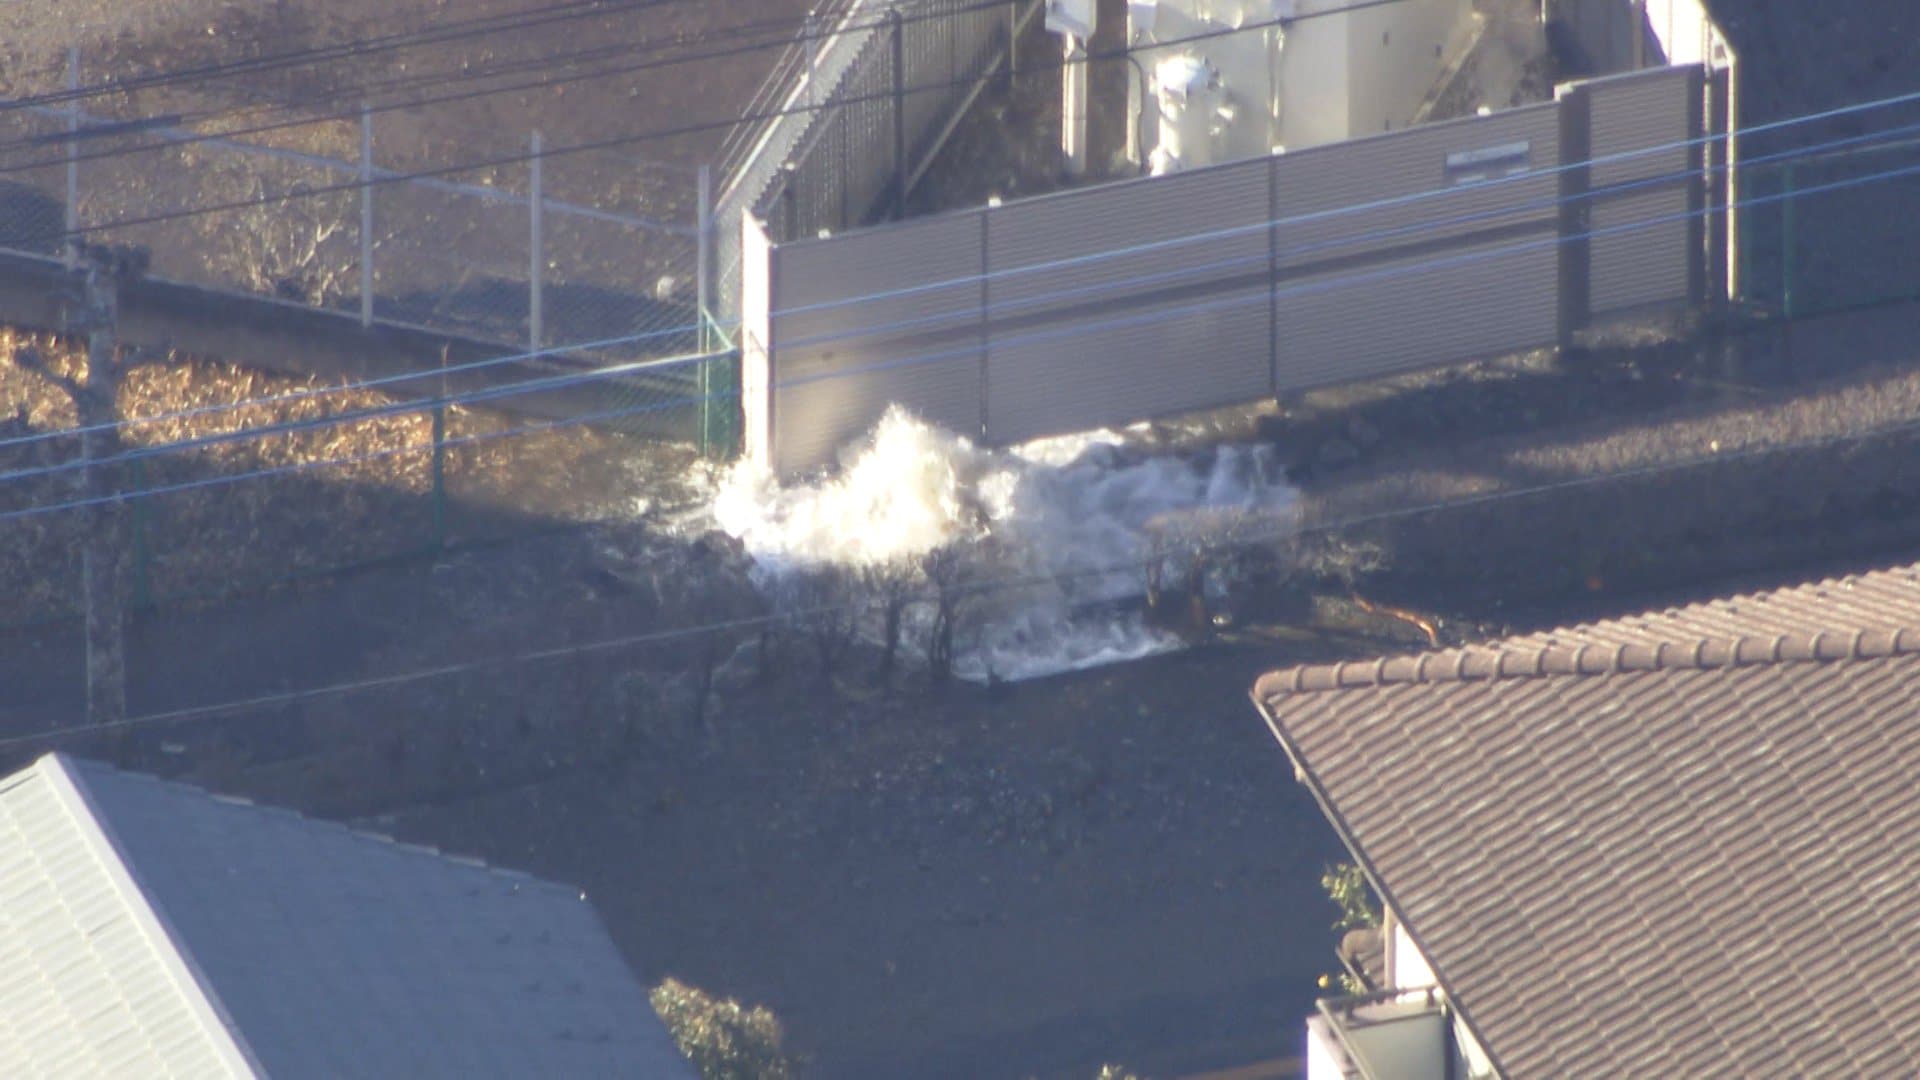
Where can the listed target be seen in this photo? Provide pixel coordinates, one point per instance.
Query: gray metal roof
(1680, 843)
(148, 928)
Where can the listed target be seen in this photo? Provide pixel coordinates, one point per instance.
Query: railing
(1358, 1022)
(852, 114)
(537, 246)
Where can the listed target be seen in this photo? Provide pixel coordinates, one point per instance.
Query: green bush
(724, 1039)
(1347, 888)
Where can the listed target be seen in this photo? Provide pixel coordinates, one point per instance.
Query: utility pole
(102, 569)
(103, 579)
(536, 249)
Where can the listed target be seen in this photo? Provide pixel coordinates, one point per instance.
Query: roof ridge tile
(1489, 662)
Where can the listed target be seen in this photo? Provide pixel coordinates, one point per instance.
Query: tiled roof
(149, 928)
(1684, 843)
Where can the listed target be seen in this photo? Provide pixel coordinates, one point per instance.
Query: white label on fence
(1487, 163)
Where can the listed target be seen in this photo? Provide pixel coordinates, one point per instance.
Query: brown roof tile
(1685, 839)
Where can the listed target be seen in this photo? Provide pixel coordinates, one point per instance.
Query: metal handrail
(761, 109)
(1336, 1022)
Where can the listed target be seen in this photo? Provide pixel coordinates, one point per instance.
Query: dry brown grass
(343, 493)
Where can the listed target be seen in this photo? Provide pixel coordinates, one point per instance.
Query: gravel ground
(120, 39)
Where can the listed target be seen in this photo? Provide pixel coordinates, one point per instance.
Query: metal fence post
(142, 574)
(813, 54)
(703, 304)
(1013, 42)
(1787, 241)
(895, 27)
(703, 264)
(535, 271)
(366, 216)
(69, 243)
(439, 503)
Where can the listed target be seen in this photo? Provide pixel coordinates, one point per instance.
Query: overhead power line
(348, 105)
(1124, 250)
(920, 359)
(436, 34)
(1240, 541)
(680, 131)
(353, 113)
(511, 22)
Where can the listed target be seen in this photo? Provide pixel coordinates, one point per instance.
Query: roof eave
(71, 789)
(1275, 685)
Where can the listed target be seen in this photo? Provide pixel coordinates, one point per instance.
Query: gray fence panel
(1113, 304)
(1637, 266)
(1169, 325)
(870, 318)
(1418, 282)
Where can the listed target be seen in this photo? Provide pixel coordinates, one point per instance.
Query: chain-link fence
(531, 245)
(565, 284)
(1828, 222)
(343, 479)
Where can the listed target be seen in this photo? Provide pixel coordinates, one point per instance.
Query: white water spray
(1068, 520)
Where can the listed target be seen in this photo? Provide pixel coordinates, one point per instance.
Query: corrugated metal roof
(1681, 843)
(90, 983)
(324, 951)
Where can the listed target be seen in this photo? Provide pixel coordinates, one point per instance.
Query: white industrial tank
(1193, 113)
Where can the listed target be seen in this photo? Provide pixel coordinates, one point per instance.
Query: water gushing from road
(1056, 532)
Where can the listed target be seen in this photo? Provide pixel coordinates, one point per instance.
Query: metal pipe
(703, 269)
(69, 244)
(1073, 105)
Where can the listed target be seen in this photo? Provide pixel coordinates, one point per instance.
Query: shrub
(724, 1039)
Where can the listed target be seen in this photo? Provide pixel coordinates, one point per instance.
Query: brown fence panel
(1416, 249)
(1118, 303)
(869, 318)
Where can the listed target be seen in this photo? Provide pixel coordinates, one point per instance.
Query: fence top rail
(354, 169)
(1242, 164)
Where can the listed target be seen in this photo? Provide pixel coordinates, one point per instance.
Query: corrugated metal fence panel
(887, 315)
(1161, 307)
(1642, 240)
(1398, 251)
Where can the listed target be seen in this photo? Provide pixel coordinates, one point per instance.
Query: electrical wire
(1242, 541)
(1126, 250)
(510, 22)
(1294, 252)
(354, 112)
(924, 358)
(434, 34)
(1818, 149)
(516, 158)
(374, 412)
